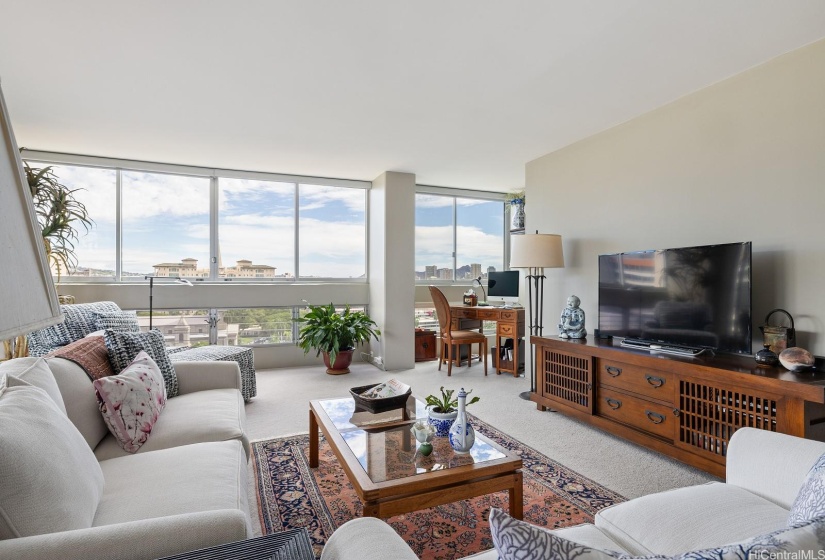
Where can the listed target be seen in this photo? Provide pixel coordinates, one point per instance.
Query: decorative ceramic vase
(441, 421)
(423, 432)
(796, 359)
(518, 215)
(766, 357)
(462, 435)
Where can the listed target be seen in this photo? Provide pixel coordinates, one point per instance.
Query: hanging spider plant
(58, 212)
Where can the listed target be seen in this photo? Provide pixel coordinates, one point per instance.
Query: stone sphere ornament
(571, 323)
(796, 359)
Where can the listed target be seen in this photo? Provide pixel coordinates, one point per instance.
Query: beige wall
(743, 160)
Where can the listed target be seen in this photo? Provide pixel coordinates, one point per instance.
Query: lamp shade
(536, 250)
(29, 300)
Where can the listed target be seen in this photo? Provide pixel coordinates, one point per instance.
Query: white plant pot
(441, 421)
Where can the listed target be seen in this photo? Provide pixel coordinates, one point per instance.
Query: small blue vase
(462, 436)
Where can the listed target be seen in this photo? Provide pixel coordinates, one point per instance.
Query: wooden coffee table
(381, 458)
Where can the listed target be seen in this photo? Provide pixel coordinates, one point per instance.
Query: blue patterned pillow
(123, 321)
(810, 502)
(518, 540)
(123, 347)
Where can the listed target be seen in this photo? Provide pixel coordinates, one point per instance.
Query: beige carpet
(281, 409)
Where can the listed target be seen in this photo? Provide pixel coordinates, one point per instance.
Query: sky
(166, 219)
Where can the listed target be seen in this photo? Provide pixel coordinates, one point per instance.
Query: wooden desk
(509, 324)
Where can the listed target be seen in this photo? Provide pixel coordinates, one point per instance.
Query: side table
(287, 545)
(424, 346)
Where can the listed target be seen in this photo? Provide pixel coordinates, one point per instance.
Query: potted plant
(335, 334)
(58, 214)
(443, 410)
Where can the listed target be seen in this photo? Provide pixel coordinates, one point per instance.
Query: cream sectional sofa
(185, 489)
(765, 472)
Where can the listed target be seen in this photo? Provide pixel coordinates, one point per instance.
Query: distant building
(445, 274)
(431, 271)
(475, 270)
(188, 268)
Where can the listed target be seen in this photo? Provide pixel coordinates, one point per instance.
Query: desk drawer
(459, 313)
(654, 384)
(641, 414)
(509, 315)
(485, 314)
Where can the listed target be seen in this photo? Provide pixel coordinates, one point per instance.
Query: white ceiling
(460, 92)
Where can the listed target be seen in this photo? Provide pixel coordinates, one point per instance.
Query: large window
(457, 238)
(256, 229)
(165, 225)
(96, 249)
(168, 220)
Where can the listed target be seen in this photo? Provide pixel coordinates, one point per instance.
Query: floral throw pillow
(810, 502)
(518, 540)
(132, 401)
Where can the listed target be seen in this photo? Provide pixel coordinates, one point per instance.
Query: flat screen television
(698, 297)
(503, 286)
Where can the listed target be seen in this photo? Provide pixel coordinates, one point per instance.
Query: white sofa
(765, 471)
(185, 489)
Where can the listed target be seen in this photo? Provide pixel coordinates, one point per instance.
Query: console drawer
(641, 414)
(654, 384)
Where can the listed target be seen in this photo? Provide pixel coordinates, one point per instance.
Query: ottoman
(223, 353)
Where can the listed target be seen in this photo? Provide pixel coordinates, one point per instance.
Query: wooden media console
(685, 407)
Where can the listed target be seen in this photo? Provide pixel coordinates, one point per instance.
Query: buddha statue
(571, 324)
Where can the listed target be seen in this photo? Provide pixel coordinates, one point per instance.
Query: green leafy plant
(326, 330)
(446, 403)
(58, 212)
(515, 197)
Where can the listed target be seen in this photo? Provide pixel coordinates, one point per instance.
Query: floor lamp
(535, 252)
(176, 279)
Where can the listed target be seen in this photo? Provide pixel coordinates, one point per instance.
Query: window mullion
(297, 216)
(455, 239)
(118, 227)
(214, 241)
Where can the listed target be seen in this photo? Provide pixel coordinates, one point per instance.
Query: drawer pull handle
(614, 371)
(654, 417)
(655, 381)
(614, 404)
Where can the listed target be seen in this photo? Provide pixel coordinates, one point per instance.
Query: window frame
(214, 175)
(463, 193)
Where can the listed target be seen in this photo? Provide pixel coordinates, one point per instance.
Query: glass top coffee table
(380, 456)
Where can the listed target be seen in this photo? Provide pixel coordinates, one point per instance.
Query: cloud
(146, 195)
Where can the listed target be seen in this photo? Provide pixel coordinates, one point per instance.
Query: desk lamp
(480, 285)
(535, 252)
(177, 280)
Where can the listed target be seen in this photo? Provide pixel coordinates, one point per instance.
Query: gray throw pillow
(123, 347)
(122, 321)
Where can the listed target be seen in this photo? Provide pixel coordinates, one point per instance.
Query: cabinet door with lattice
(709, 414)
(565, 377)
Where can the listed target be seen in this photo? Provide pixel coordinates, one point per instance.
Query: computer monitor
(503, 286)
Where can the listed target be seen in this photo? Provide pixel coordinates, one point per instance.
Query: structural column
(392, 267)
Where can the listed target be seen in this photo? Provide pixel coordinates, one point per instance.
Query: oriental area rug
(290, 494)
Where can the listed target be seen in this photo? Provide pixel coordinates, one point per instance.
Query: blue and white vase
(441, 421)
(462, 435)
(518, 214)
